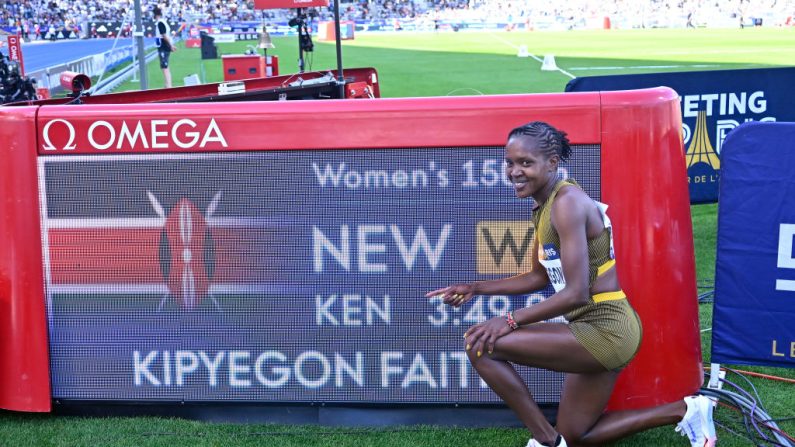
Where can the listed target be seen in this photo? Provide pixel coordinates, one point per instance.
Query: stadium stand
(63, 19)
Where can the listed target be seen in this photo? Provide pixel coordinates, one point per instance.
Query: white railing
(90, 66)
(110, 84)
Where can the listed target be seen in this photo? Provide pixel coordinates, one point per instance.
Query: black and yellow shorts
(610, 330)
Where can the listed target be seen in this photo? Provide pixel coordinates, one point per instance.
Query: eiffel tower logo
(700, 149)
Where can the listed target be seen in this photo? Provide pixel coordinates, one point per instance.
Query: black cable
(748, 381)
(731, 400)
(757, 403)
(744, 415)
(738, 434)
(753, 438)
(707, 296)
(749, 432)
(747, 416)
(753, 414)
(790, 418)
(77, 99)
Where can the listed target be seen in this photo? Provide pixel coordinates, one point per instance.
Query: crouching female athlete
(572, 251)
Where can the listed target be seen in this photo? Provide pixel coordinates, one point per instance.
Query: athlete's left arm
(568, 216)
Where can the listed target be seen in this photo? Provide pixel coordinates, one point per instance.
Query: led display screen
(281, 276)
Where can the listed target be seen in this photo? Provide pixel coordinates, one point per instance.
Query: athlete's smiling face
(528, 168)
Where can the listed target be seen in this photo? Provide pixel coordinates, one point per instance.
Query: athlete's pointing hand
(455, 295)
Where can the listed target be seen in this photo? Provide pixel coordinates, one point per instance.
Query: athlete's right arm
(515, 285)
(459, 294)
(535, 279)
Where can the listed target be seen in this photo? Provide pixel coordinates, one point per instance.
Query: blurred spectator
(163, 42)
(45, 19)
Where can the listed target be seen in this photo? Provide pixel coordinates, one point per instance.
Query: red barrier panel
(642, 178)
(654, 243)
(24, 366)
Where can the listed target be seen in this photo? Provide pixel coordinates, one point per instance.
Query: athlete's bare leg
(587, 387)
(549, 346)
(582, 422)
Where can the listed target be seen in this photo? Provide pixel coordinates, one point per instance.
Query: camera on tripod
(13, 87)
(304, 37)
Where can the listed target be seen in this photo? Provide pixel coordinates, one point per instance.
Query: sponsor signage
(224, 37)
(124, 29)
(276, 4)
(15, 51)
(755, 266)
(713, 103)
(283, 276)
(61, 135)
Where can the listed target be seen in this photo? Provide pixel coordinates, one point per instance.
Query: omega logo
(146, 134)
(48, 146)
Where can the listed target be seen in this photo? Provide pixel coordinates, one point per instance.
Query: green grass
(441, 64)
(430, 64)
(170, 432)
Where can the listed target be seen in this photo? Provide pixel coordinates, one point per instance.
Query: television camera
(13, 87)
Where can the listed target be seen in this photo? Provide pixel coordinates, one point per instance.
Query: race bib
(606, 221)
(549, 257)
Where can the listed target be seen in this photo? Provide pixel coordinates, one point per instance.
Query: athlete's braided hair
(549, 139)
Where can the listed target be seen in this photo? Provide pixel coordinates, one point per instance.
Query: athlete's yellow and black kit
(608, 327)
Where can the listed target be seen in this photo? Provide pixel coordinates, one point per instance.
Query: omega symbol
(48, 146)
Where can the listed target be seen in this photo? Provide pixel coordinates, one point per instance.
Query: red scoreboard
(279, 252)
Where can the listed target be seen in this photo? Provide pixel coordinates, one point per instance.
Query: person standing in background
(164, 45)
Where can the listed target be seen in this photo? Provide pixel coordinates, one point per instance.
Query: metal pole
(139, 41)
(134, 57)
(300, 42)
(340, 78)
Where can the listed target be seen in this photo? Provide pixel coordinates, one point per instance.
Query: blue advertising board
(281, 276)
(755, 267)
(713, 103)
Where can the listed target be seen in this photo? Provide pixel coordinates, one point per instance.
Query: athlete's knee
(573, 436)
(474, 355)
(574, 441)
(471, 354)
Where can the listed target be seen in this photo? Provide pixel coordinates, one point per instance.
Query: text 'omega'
(62, 135)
